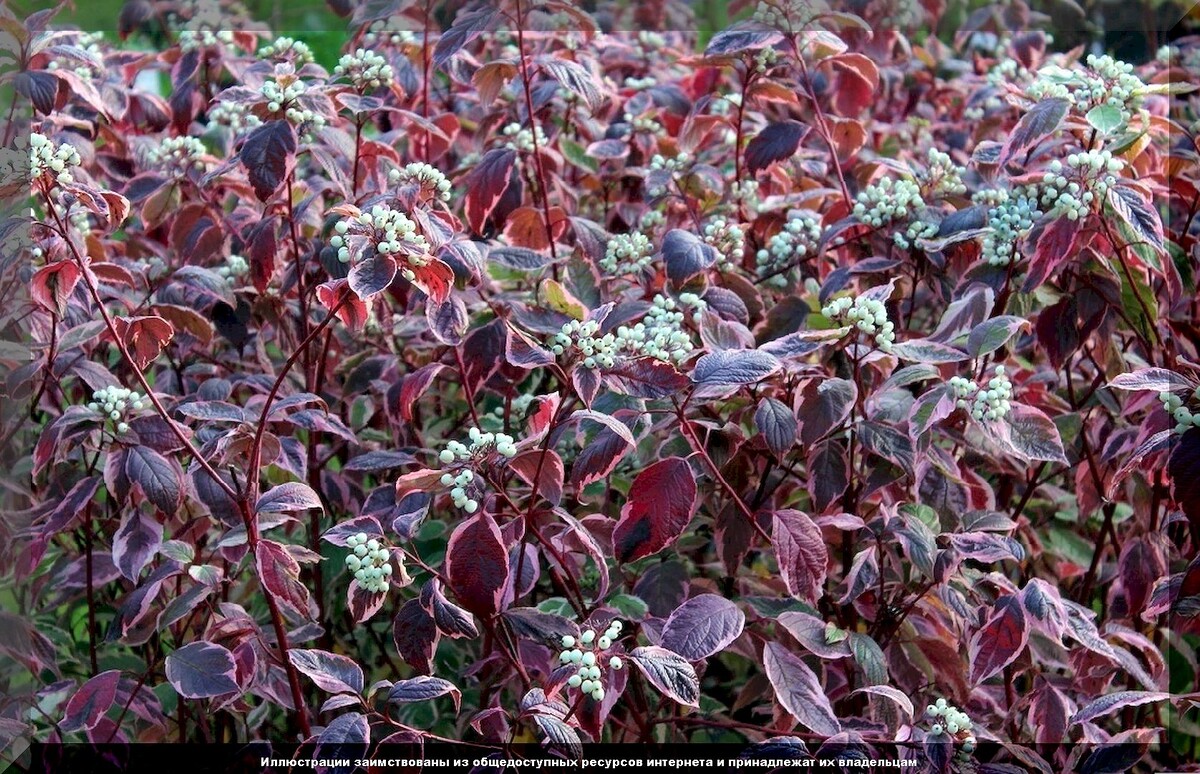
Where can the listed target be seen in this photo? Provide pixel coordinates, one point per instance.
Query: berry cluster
(764, 59)
(522, 139)
(389, 231)
(235, 115)
(798, 238)
(288, 50)
(986, 404)
(597, 352)
(47, 158)
(432, 181)
(588, 654)
(949, 719)
(388, 32)
(1185, 418)
(729, 241)
(1107, 82)
(365, 70)
(650, 41)
(193, 40)
(627, 254)
(644, 124)
(1011, 216)
(745, 193)
(888, 202)
(640, 84)
(481, 451)
(673, 164)
(786, 15)
(661, 335)
(868, 315)
(942, 177)
(283, 93)
(235, 267)
(1082, 184)
(177, 155)
(370, 563)
(115, 403)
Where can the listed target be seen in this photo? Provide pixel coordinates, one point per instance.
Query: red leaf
(414, 386)
(998, 643)
(280, 575)
(351, 309)
(435, 279)
(801, 553)
(659, 508)
(1054, 248)
(547, 466)
(477, 565)
(144, 337)
(261, 245)
(485, 184)
(52, 285)
(87, 707)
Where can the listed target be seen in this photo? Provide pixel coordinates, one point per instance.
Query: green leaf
(630, 607)
(576, 154)
(1141, 313)
(557, 606)
(1105, 119)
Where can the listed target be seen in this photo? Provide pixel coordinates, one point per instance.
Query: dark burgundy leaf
(645, 377)
(135, 543)
(268, 155)
(423, 689)
(719, 373)
(415, 635)
(477, 565)
(686, 255)
(777, 424)
(774, 143)
(1041, 120)
(160, 479)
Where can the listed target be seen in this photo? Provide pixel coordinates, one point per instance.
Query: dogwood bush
(533, 372)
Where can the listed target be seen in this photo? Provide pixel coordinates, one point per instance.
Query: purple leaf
(202, 670)
(801, 553)
(289, 497)
(669, 672)
(477, 565)
(799, 690)
(331, 672)
(774, 143)
(423, 689)
(704, 625)
(268, 155)
(136, 542)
